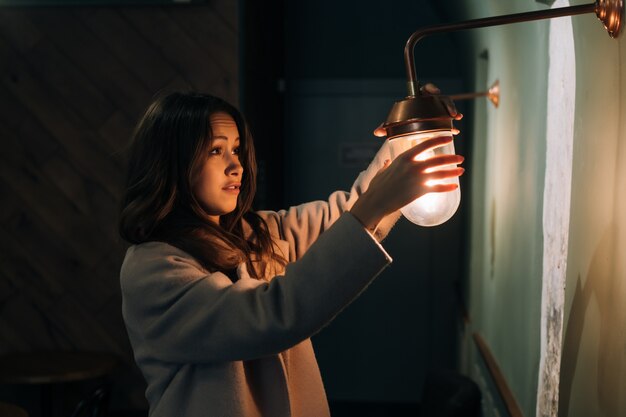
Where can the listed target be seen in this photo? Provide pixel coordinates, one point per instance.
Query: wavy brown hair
(168, 148)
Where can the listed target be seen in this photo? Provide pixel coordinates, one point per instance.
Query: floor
(353, 409)
(337, 408)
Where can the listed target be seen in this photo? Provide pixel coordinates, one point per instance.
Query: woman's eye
(215, 151)
(236, 151)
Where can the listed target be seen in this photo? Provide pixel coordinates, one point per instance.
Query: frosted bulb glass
(430, 209)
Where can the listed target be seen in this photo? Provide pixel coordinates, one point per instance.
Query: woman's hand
(404, 180)
(432, 89)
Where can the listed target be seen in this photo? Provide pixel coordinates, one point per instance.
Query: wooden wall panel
(73, 82)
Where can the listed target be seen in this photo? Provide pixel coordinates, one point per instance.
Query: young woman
(220, 301)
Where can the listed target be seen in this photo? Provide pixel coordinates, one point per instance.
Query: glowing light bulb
(431, 209)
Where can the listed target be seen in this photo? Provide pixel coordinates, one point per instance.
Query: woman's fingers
(426, 146)
(430, 88)
(434, 162)
(442, 188)
(444, 174)
(380, 131)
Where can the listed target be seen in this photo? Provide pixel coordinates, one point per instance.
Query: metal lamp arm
(409, 59)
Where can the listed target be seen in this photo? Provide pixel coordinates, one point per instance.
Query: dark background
(74, 80)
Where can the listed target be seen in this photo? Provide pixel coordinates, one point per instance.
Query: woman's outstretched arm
(301, 225)
(177, 312)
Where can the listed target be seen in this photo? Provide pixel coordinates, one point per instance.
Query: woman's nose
(234, 166)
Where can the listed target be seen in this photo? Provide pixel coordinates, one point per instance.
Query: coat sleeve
(176, 312)
(301, 225)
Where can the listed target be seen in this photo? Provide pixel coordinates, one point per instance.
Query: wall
(507, 184)
(593, 368)
(73, 82)
(510, 210)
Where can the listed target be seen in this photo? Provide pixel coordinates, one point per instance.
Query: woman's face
(217, 186)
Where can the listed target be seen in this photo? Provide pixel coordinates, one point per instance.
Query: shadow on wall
(608, 291)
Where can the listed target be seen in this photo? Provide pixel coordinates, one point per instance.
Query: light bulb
(431, 209)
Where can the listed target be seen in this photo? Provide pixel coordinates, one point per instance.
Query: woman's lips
(233, 189)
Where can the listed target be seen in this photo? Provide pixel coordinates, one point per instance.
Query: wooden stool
(10, 410)
(47, 369)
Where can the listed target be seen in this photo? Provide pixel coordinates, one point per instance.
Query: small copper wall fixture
(492, 94)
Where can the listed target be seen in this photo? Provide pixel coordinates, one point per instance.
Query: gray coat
(211, 347)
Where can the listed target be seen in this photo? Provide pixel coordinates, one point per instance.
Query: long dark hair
(168, 149)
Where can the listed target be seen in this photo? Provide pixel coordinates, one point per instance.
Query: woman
(220, 301)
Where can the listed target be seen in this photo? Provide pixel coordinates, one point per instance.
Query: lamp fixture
(421, 116)
(492, 94)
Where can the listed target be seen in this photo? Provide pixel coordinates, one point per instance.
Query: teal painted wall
(507, 179)
(506, 231)
(593, 368)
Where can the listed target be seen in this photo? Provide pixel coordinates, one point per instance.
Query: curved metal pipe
(613, 26)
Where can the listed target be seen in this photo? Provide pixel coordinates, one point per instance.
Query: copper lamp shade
(422, 113)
